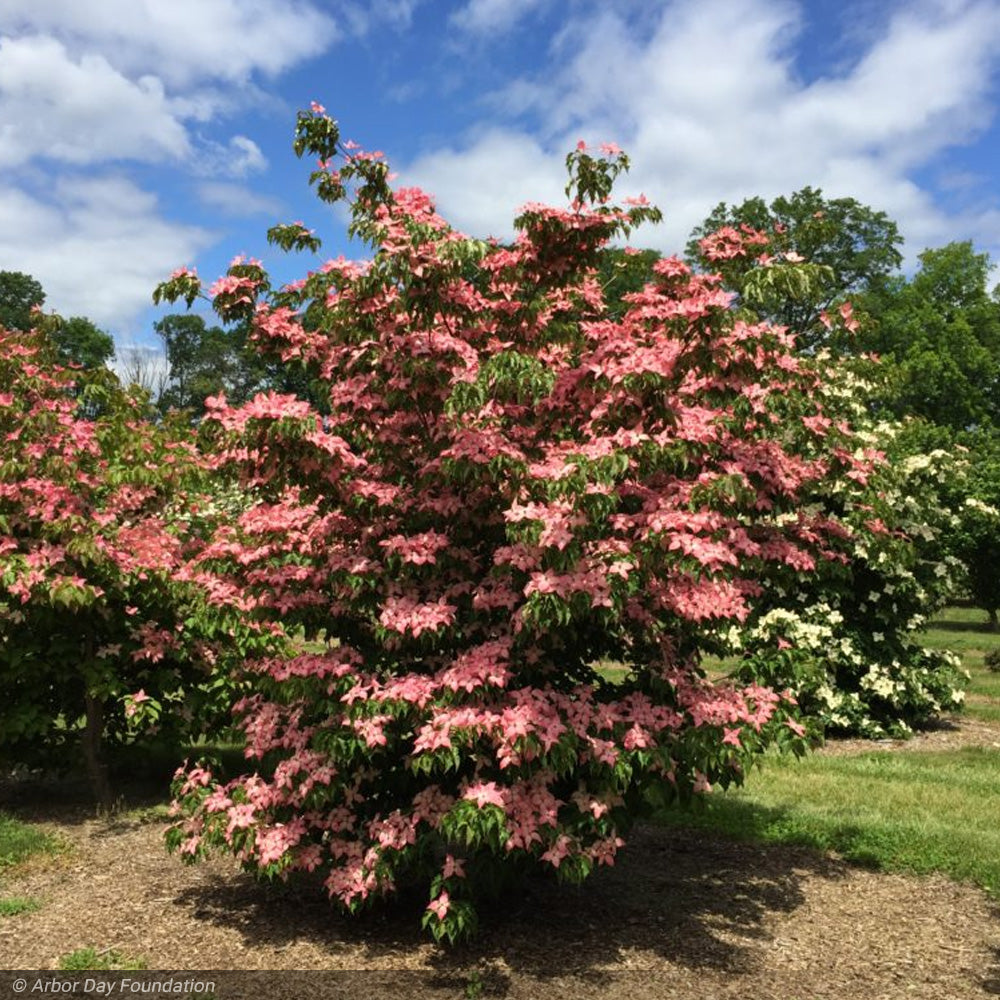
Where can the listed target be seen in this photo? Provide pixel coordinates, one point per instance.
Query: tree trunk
(97, 770)
(992, 612)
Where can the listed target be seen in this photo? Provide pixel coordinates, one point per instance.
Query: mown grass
(912, 811)
(91, 958)
(965, 631)
(908, 810)
(18, 842)
(12, 906)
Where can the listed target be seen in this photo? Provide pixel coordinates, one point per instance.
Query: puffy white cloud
(706, 97)
(481, 185)
(80, 110)
(97, 245)
(182, 41)
(126, 82)
(124, 79)
(361, 18)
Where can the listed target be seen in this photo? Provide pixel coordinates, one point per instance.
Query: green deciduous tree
(622, 272)
(19, 294)
(938, 334)
(77, 339)
(846, 247)
(974, 496)
(80, 342)
(203, 361)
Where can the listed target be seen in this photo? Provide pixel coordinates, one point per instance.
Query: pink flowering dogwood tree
(105, 635)
(506, 488)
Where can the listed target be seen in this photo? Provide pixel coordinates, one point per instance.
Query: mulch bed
(682, 915)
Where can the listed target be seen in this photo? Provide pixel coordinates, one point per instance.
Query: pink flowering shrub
(104, 635)
(506, 488)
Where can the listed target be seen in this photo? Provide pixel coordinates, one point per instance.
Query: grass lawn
(18, 841)
(963, 630)
(910, 811)
(108, 959)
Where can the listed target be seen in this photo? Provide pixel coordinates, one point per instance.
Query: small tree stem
(97, 769)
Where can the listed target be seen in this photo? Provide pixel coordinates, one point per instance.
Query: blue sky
(140, 135)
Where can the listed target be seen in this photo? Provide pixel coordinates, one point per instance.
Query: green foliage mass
(976, 539)
(80, 342)
(77, 339)
(203, 361)
(938, 335)
(19, 294)
(847, 248)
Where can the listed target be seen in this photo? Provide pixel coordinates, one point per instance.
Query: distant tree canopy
(622, 272)
(848, 246)
(207, 360)
(203, 361)
(77, 339)
(938, 334)
(19, 295)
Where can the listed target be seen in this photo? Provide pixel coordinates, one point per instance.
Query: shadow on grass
(777, 828)
(701, 902)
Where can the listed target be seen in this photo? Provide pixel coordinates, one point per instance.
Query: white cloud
(182, 41)
(129, 82)
(361, 18)
(240, 157)
(237, 200)
(98, 246)
(122, 79)
(79, 111)
(489, 17)
(706, 98)
(482, 185)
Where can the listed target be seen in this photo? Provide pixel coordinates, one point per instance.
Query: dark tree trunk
(992, 612)
(97, 770)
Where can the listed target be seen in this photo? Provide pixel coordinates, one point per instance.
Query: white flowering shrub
(846, 639)
(975, 542)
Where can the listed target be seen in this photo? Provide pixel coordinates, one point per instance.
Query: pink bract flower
(439, 907)
(485, 793)
(453, 868)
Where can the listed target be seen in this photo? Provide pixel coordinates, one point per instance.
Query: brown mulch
(952, 732)
(683, 915)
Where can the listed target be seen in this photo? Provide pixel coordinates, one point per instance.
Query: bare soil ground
(682, 915)
(948, 733)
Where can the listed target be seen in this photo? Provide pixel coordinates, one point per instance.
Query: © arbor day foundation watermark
(107, 986)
